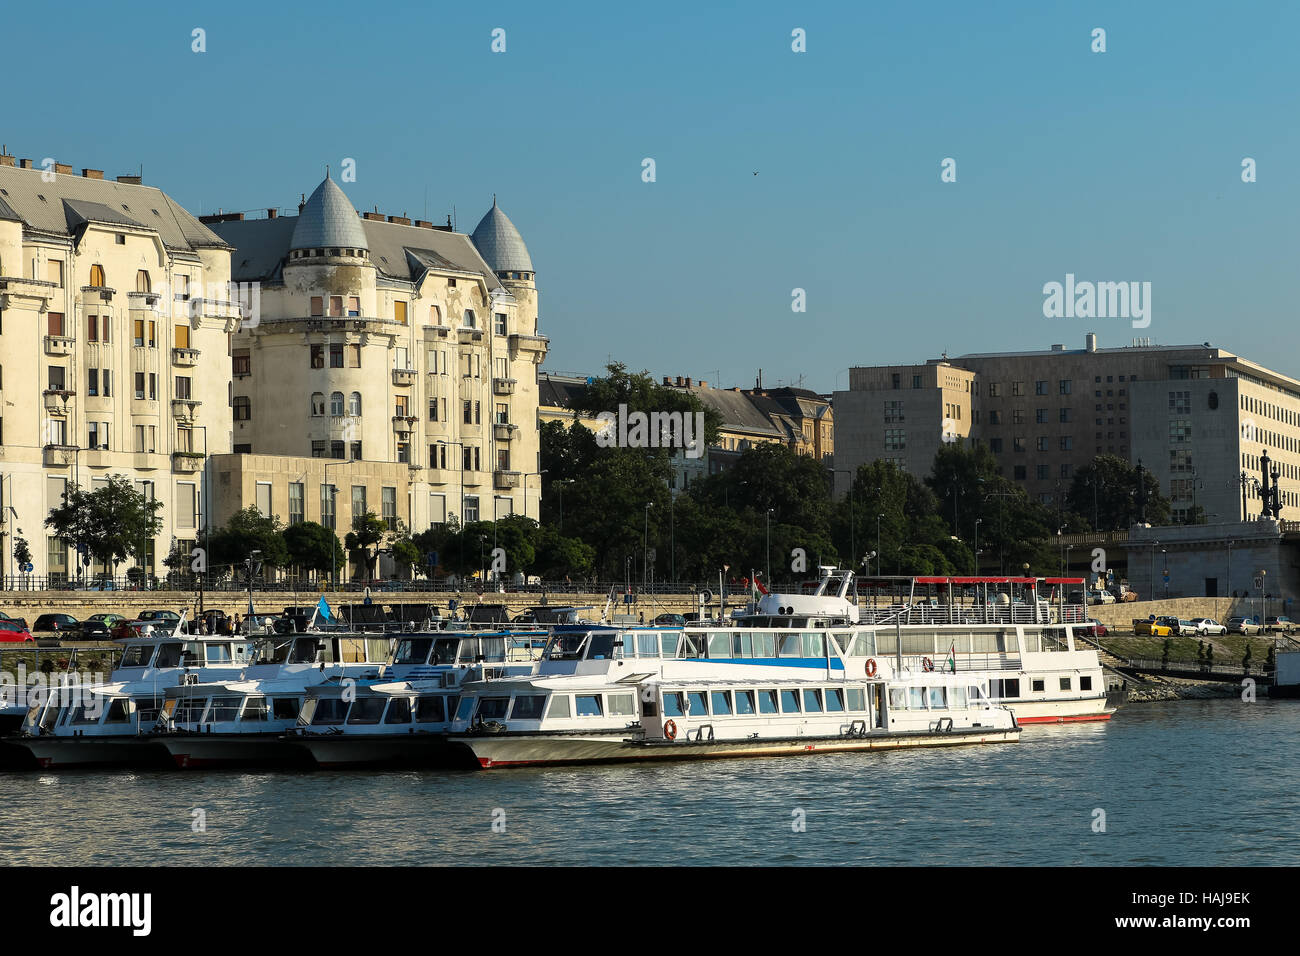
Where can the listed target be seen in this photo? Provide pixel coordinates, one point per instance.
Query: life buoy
(927, 665)
(871, 667)
(670, 730)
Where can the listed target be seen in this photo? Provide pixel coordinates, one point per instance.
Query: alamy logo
(75, 909)
(1098, 300)
(655, 430)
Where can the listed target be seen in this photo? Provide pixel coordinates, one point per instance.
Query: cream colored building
(113, 350)
(381, 341)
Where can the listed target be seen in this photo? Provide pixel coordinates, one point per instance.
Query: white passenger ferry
(609, 694)
(403, 718)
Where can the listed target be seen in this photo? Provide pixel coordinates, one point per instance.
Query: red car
(1094, 628)
(13, 632)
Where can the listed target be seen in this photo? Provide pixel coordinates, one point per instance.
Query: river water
(1174, 783)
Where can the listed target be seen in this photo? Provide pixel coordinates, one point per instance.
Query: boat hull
(377, 750)
(87, 751)
(1060, 711)
(200, 751)
(499, 751)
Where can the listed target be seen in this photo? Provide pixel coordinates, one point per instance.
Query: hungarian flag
(757, 588)
(952, 657)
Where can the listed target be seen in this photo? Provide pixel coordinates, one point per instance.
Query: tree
(110, 524)
(369, 531)
(312, 547)
(22, 550)
(557, 556)
(406, 556)
(1105, 492)
(249, 530)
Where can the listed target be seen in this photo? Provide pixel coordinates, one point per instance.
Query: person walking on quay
(238, 626)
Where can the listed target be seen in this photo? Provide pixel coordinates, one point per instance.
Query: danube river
(1179, 783)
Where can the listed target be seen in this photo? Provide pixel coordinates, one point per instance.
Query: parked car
(16, 620)
(1242, 625)
(1093, 628)
(670, 620)
(1150, 628)
(14, 632)
(1101, 597)
(1188, 629)
(1281, 623)
(99, 627)
(157, 619)
(57, 623)
(1208, 625)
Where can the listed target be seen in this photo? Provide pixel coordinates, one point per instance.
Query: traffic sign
(1259, 582)
(26, 568)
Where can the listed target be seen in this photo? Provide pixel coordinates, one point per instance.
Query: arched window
(97, 276)
(435, 315)
(470, 320)
(336, 404)
(142, 283)
(318, 403)
(354, 404)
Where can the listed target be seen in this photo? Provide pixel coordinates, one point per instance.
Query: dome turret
(499, 243)
(328, 219)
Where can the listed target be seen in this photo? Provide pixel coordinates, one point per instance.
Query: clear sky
(1115, 166)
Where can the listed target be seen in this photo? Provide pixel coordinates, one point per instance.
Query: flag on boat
(952, 657)
(323, 609)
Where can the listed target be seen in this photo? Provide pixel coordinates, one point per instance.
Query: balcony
(403, 424)
(504, 432)
(404, 376)
(60, 456)
(503, 386)
(185, 410)
(145, 460)
(185, 358)
(469, 336)
(59, 345)
(186, 462)
(142, 301)
(432, 332)
(57, 400)
(98, 457)
(103, 293)
(37, 291)
(506, 479)
(534, 345)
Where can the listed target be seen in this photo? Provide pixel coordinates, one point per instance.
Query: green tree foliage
(111, 523)
(406, 556)
(368, 535)
(1105, 493)
(312, 547)
(247, 531)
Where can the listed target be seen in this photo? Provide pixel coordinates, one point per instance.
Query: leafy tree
(406, 556)
(248, 530)
(368, 535)
(559, 557)
(1106, 493)
(111, 523)
(22, 550)
(313, 547)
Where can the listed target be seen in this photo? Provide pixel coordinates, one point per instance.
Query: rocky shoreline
(1175, 688)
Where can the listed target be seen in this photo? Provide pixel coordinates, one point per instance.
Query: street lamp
(252, 557)
(1165, 561)
(769, 547)
(645, 551)
(1152, 592)
(880, 555)
(977, 544)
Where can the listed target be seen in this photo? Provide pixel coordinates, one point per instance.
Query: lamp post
(1165, 561)
(768, 572)
(203, 511)
(252, 558)
(1153, 570)
(955, 492)
(1228, 583)
(672, 535)
(645, 551)
(977, 545)
(880, 555)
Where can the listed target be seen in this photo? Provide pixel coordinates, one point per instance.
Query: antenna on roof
(327, 170)
(455, 222)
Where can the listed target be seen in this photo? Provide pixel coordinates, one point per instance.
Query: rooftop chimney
(688, 382)
(424, 224)
(400, 220)
(5, 158)
(1090, 342)
(25, 163)
(92, 173)
(63, 168)
(302, 202)
(703, 384)
(679, 381)
(376, 216)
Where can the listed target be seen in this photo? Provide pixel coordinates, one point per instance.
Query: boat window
(864, 644)
(844, 641)
(767, 702)
(721, 702)
(399, 711)
(674, 705)
(765, 645)
(225, 708)
(620, 705)
(916, 698)
(254, 708)
(444, 651)
(719, 645)
(304, 651)
(415, 650)
(601, 646)
(190, 710)
(744, 702)
(886, 643)
(814, 645)
(587, 705)
(528, 707)
(857, 699)
(120, 711)
(559, 706)
(834, 700)
(692, 646)
(169, 655)
(219, 654)
(812, 701)
(329, 712)
(430, 709)
(668, 644)
(937, 701)
(493, 708)
(377, 648)
(493, 649)
(87, 713)
(1033, 642)
(790, 700)
(918, 643)
(284, 708)
(1038, 686)
(792, 645)
(565, 647)
(742, 645)
(147, 708)
(1085, 683)
(699, 703)
(192, 655)
(986, 642)
(959, 698)
(1065, 683)
(647, 645)
(465, 709)
(137, 655)
(897, 698)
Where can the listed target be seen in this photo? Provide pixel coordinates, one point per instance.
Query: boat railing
(915, 663)
(968, 614)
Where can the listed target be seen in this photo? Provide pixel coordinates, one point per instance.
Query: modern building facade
(115, 318)
(384, 341)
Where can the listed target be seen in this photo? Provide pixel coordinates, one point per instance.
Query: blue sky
(1124, 165)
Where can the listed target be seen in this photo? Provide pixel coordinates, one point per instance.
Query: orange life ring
(670, 730)
(927, 665)
(871, 667)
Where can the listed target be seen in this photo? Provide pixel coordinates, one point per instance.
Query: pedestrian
(238, 626)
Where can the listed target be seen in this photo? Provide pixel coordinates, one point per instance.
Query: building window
(354, 306)
(1020, 472)
(354, 404)
(1180, 403)
(1066, 386)
(354, 356)
(1040, 388)
(1067, 443)
(469, 321)
(1180, 431)
(995, 445)
(336, 306)
(142, 281)
(399, 312)
(916, 381)
(354, 451)
(400, 408)
(328, 494)
(995, 417)
(404, 452)
(183, 388)
(500, 326)
(1017, 416)
(296, 515)
(318, 356)
(1044, 472)
(243, 408)
(388, 507)
(1065, 415)
(471, 508)
(92, 381)
(358, 501)
(1018, 445)
(55, 272)
(1040, 416)
(502, 414)
(54, 323)
(1042, 443)
(336, 355)
(317, 404)
(995, 389)
(1017, 388)
(895, 439)
(893, 411)
(336, 404)
(317, 305)
(241, 362)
